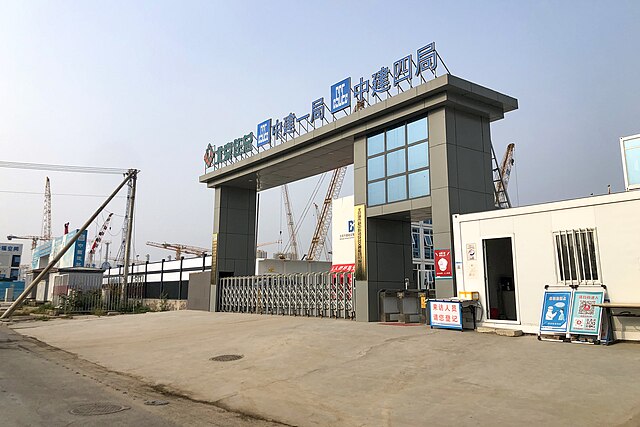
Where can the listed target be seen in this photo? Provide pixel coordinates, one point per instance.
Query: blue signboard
(445, 314)
(79, 250)
(555, 311)
(264, 133)
(341, 95)
(585, 316)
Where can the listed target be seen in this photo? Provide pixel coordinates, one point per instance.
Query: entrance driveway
(310, 371)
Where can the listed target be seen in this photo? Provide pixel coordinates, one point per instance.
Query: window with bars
(577, 257)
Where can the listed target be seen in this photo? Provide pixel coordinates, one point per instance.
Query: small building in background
(10, 283)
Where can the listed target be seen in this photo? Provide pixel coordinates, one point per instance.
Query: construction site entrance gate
(313, 294)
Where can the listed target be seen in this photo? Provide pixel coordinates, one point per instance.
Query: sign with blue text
(555, 311)
(366, 91)
(585, 316)
(445, 314)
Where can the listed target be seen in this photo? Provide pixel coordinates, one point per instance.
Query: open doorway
(499, 279)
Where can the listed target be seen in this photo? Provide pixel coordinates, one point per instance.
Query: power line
(62, 168)
(37, 193)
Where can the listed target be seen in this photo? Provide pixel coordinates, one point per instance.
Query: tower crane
(324, 219)
(501, 175)
(290, 222)
(180, 248)
(46, 215)
(46, 220)
(98, 239)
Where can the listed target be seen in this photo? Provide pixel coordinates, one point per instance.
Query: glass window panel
(592, 256)
(632, 158)
(375, 168)
(375, 193)
(418, 156)
(397, 188)
(395, 138)
(419, 184)
(632, 143)
(375, 144)
(396, 162)
(417, 131)
(415, 244)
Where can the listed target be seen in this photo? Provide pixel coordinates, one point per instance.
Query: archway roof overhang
(331, 146)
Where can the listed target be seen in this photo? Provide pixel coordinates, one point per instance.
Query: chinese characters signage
(359, 236)
(555, 311)
(585, 316)
(228, 152)
(366, 91)
(445, 314)
(443, 264)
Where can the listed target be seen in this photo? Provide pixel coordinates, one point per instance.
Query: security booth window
(577, 257)
(398, 163)
(631, 158)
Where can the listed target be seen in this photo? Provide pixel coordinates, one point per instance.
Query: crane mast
(324, 220)
(290, 222)
(46, 216)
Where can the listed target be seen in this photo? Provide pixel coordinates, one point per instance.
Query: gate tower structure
(430, 172)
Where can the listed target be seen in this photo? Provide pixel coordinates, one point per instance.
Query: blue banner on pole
(555, 311)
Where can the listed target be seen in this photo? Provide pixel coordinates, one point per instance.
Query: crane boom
(180, 248)
(34, 239)
(98, 239)
(507, 164)
(324, 220)
(501, 174)
(290, 222)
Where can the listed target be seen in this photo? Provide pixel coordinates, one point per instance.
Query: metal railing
(88, 297)
(312, 294)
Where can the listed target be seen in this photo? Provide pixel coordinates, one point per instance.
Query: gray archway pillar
(461, 182)
(234, 235)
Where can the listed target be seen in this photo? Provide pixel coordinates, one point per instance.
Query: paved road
(319, 372)
(41, 386)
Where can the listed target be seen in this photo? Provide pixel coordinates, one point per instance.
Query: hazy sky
(148, 85)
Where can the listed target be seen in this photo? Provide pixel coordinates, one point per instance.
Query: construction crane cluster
(46, 230)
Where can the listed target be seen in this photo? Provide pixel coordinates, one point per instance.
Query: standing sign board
(445, 314)
(555, 311)
(585, 316)
(443, 263)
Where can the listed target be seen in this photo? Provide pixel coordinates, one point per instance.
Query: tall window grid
(423, 257)
(398, 163)
(577, 257)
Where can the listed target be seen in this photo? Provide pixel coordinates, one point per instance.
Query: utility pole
(130, 175)
(133, 173)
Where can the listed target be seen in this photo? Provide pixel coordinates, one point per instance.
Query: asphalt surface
(44, 386)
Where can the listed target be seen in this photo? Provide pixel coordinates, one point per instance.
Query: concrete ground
(308, 372)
